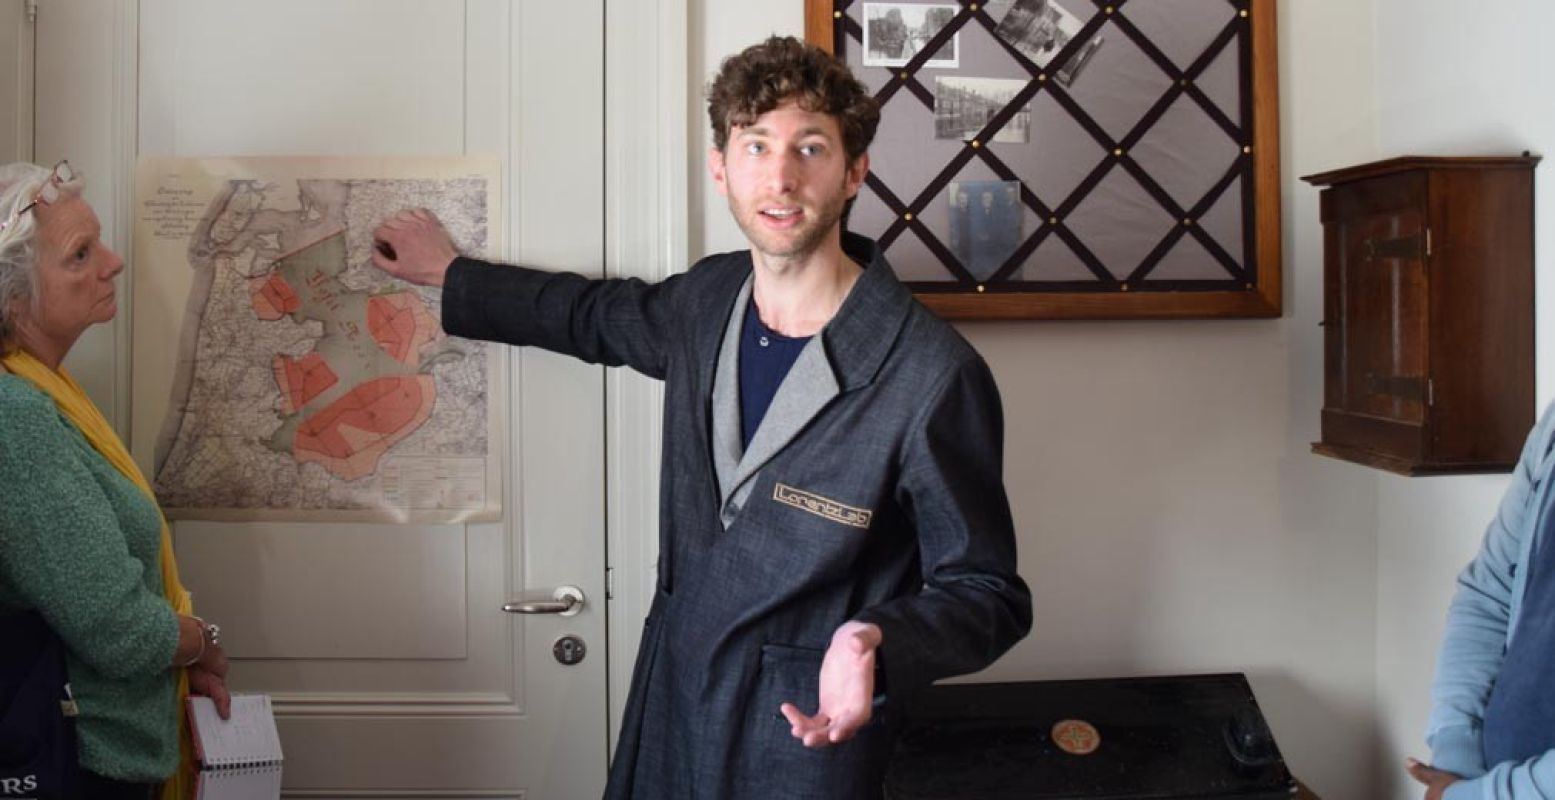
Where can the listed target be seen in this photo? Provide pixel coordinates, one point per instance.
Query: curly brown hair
(782, 68)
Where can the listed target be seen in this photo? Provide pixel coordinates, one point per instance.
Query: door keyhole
(569, 650)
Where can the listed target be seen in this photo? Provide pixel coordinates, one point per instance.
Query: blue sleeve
(1533, 779)
(1474, 643)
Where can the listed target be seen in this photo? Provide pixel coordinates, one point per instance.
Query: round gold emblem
(1076, 737)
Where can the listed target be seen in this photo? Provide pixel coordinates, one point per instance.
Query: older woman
(82, 541)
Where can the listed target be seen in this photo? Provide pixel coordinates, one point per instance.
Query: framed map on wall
(1070, 159)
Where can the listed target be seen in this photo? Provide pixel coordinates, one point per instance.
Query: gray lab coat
(872, 491)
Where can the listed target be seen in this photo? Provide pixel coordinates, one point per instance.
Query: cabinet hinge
(610, 583)
(1428, 242)
(32, 11)
(1430, 391)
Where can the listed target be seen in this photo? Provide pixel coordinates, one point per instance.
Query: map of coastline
(307, 381)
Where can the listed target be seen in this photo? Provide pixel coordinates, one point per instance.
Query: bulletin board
(1070, 159)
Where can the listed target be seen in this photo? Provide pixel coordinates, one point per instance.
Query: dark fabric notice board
(1138, 141)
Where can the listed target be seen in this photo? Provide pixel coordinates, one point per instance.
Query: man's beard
(809, 236)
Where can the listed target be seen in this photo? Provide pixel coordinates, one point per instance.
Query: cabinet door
(1377, 304)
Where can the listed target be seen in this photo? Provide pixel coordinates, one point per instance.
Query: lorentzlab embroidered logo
(821, 507)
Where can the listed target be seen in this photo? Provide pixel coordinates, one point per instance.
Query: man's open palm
(847, 688)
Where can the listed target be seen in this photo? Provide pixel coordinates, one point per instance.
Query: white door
(16, 29)
(395, 669)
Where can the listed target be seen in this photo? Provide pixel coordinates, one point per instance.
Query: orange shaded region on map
(401, 324)
(274, 298)
(301, 380)
(348, 436)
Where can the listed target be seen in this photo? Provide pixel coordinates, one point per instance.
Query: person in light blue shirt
(1492, 727)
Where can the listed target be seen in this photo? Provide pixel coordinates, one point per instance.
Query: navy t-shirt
(765, 358)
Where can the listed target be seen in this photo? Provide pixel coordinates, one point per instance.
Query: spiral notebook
(240, 757)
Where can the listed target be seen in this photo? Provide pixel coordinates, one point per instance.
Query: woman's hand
(213, 660)
(197, 648)
(206, 683)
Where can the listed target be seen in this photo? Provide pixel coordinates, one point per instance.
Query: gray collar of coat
(846, 355)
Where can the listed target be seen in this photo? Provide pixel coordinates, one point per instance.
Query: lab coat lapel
(808, 387)
(727, 444)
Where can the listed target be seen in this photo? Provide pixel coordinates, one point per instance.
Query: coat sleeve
(1533, 779)
(1478, 619)
(972, 606)
(63, 552)
(612, 322)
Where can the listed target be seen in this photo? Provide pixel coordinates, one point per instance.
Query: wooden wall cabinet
(1428, 313)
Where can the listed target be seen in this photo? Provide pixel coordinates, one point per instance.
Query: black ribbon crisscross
(1184, 83)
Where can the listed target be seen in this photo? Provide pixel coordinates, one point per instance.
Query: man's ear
(856, 172)
(715, 168)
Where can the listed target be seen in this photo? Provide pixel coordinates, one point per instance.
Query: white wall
(1495, 101)
(1171, 517)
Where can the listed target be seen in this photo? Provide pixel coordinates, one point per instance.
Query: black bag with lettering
(38, 758)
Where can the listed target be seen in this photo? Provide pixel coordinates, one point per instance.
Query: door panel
(16, 73)
(394, 667)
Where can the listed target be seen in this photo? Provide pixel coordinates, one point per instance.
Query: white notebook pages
(240, 757)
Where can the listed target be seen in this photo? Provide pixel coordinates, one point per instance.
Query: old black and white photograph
(1040, 30)
(964, 106)
(985, 224)
(895, 32)
(1071, 68)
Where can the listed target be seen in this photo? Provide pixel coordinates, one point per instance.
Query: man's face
(787, 179)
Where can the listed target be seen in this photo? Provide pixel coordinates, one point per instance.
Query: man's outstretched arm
(611, 322)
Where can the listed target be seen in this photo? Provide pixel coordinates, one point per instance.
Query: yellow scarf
(79, 409)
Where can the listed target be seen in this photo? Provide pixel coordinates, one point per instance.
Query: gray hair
(19, 185)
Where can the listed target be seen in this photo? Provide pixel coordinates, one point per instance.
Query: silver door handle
(567, 601)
